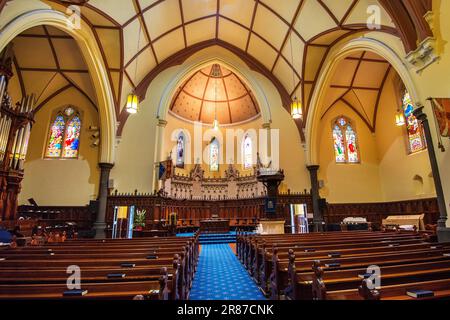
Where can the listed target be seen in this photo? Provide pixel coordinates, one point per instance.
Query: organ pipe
(21, 139)
(16, 121)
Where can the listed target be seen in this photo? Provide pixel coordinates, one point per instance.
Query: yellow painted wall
(387, 171)
(61, 182)
(397, 167)
(347, 183)
(174, 125)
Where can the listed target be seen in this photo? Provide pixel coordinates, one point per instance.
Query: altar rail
(376, 212)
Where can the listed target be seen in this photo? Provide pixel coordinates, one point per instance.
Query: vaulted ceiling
(264, 31)
(287, 41)
(215, 93)
(358, 84)
(48, 62)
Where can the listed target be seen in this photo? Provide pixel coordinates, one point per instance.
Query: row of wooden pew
(334, 266)
(148, 268)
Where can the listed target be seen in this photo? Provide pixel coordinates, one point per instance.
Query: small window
(248, 152)
(181, 144)
(214, 155)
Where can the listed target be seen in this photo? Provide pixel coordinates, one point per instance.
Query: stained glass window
(345, 142)
(339, 146)
(180, 150)
(55, 141)
(416, 139)
(64, 136)
(248, 152)
(352, 152)
(214, 155)
(72, 138)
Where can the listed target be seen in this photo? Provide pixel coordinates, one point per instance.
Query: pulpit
(268, 226)
(271, 179)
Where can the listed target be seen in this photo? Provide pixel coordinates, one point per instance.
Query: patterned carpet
(220, 276)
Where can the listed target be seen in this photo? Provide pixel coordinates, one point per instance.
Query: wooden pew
(315, 284)
(99, 258)
(154, 289)
(283, 273)
(326, 251)
(262, 262)
(441, 289)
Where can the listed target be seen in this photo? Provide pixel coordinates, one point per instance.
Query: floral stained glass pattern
(54, 147)
(214, 156)
(339, 146)
(416, 140)
(352, 152)
(248, 153)
(72, 138)
(345, 142)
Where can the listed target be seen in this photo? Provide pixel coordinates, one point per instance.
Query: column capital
(266, 125)
(105, 165)
(314, 167)
(420, 115)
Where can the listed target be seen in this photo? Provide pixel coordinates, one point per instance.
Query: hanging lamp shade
(399, 119)
(132, 103)
(296, 109)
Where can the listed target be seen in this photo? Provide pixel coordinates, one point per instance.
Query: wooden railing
(376, 212)
(192, 211)
(51, 215)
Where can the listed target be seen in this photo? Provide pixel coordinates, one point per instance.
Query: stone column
(318, 216)
(422, 117)
(160, 126)
(100, 223)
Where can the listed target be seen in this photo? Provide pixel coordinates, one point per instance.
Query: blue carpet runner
(213, 238)
(220, 276)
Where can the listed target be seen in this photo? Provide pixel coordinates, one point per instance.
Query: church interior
(172, 149)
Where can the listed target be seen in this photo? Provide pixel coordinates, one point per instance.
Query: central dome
(215, 90)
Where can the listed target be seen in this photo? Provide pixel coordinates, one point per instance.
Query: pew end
(366, 293)
(319, 291)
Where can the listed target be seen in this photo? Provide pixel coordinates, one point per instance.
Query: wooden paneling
(375, 212)
(49, 215)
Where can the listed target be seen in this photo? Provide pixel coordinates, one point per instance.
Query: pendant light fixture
(132, 106)
(296, 105)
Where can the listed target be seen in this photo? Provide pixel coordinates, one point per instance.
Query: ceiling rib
(255, 8)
